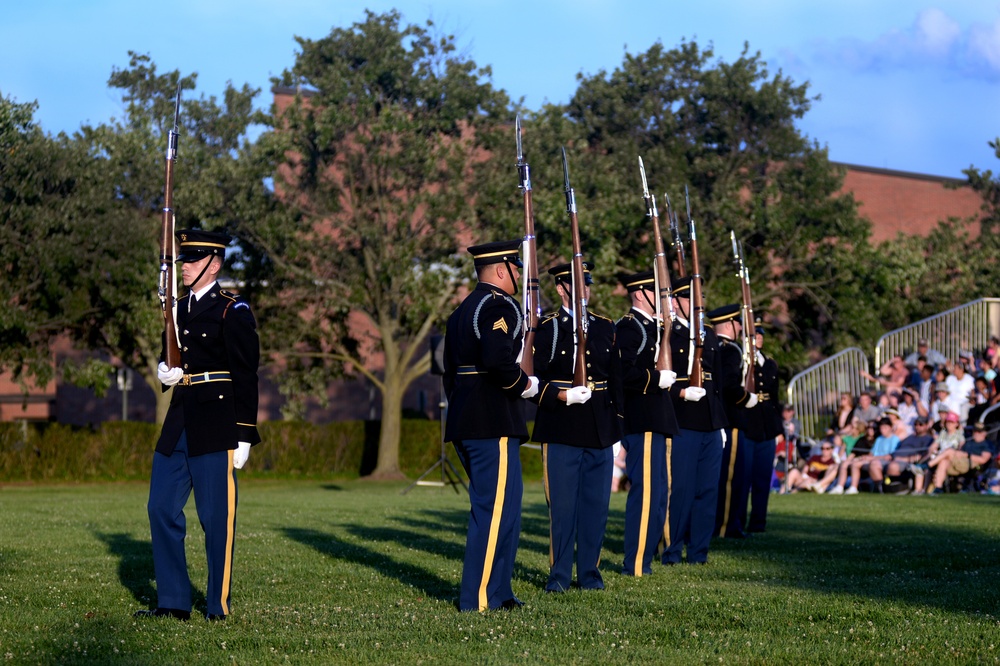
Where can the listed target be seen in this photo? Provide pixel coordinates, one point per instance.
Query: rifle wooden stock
(663, 360)
(532, 304)
(172, 351)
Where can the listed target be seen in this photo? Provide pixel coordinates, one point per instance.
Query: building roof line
(903, 174)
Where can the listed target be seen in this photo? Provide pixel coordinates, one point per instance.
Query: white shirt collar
(204, 290)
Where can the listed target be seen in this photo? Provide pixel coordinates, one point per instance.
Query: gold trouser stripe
(670, 485)
(548, 499)
(227, 570)
(647, 452)
(733, 445)
(491, 544)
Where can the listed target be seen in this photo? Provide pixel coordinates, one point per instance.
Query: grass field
(354, 573)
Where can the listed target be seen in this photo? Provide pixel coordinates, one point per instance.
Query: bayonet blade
(517, 133)
(177, 109)
(565, 171)
(642, 174)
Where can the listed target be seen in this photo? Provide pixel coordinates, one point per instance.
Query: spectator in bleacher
(939, 407)
(979, 401)
(916, 371)
(933, 356)
(866, 411)
(819, 472)
(908, 409)
(849, 440)
(893, 374)
(881, 453)
(899, 429)
(925, 387)
(841, 423)
(791, 429)
(991, 355)
(960, 384)
(957, 461)
(951, 437)
(911, 453)
(882, 402)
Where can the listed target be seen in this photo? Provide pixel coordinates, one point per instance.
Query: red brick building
(908, 203)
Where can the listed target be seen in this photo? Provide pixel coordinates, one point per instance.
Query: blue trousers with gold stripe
(761, 469)
(495, 488)
(577, 489)
(695, 458)
(213, 479)
(734, 486)
(646, 505)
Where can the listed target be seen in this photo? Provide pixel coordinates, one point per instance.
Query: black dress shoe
(212, 617)
(511, 604)
(183, 616)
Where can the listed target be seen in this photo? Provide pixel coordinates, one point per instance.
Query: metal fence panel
(815, 391)
(965, 328)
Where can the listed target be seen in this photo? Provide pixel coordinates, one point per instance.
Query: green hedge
(119, 451)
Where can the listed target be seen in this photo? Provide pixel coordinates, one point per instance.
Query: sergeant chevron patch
(500, 324)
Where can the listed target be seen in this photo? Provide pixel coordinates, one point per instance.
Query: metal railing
(815, 391)
(965, 328)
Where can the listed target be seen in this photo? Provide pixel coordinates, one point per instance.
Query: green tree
(987, 241)
(727, 131)
(40, 277)
(84, 213)
(384, 140)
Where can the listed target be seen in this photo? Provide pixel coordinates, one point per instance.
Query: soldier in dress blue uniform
(486, 389)
(577, 426)
(761, 433)
(696, 450)
(649, 423)
(208, 431)
(734, 478)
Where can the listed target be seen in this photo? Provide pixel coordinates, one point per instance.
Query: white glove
(760, 358)
(694, 393)
(241, 454)
(168, 376)
(532, 389)
(752, 401)
(725, 438)
(667, 378)
(577, 395)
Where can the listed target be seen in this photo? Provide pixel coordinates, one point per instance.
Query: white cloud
(933, 40)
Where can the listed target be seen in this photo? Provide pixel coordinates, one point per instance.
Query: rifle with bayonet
(749, 330)
(697, 306)
(531, 306)
(167, 289)
(661, 277)
(675, 234)
(580, 317)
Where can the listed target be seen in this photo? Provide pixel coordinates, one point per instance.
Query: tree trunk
(388, 441)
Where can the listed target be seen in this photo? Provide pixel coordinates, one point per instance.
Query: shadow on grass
(135, 568)
(953, 568)
(135, 564)
(334, 547)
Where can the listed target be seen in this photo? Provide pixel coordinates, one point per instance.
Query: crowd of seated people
(930, 426)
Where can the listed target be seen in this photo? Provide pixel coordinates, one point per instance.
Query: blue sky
(905, 85)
